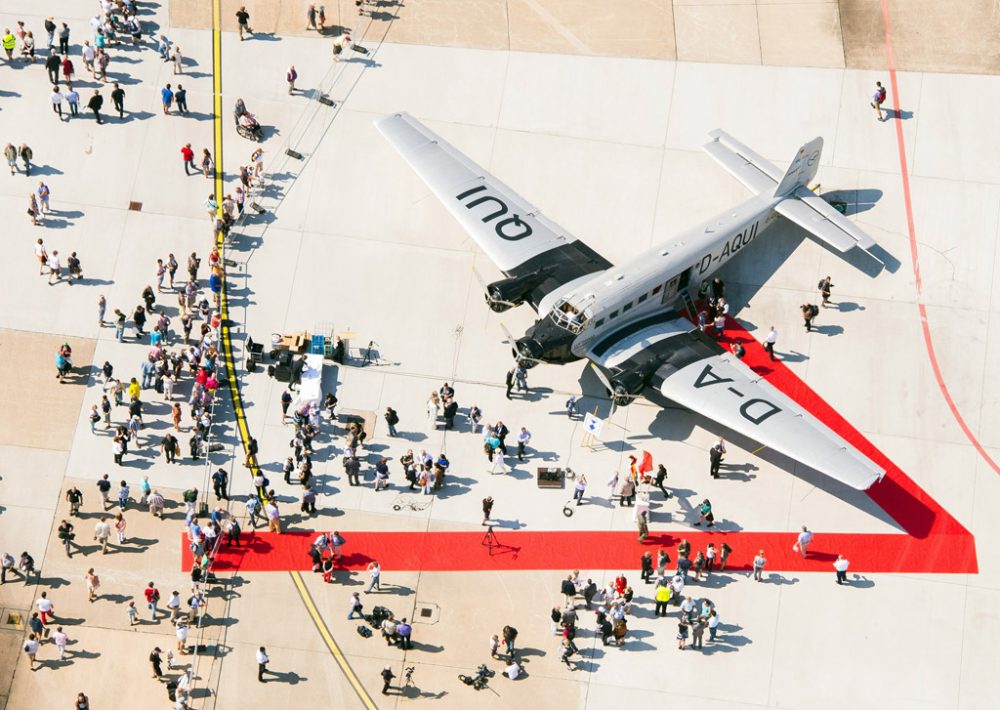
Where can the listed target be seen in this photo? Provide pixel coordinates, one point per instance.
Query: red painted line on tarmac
(914, 257)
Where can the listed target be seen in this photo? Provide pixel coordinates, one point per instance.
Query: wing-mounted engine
(507, 293)
(623, 386)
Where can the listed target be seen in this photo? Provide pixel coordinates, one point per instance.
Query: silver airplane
(628, 320)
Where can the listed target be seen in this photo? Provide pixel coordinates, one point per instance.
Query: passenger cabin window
(657, 289)
(643, 297)
(612, 314)
(599, 322)
(628, 307)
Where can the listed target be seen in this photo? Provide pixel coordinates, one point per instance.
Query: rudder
(803, 168)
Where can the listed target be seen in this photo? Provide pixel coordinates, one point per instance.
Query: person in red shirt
(188, 156)
(620, 584)
(152, 599)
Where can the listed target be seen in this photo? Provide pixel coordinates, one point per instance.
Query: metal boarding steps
(692, 310)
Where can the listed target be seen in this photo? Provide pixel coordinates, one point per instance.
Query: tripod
(490, 540)
(369, 355)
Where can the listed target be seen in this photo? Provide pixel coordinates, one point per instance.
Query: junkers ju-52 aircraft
(627, 319)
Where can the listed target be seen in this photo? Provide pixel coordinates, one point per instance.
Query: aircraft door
(670, 289)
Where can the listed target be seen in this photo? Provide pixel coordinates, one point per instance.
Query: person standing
(802, 543)
(311, 16)
(95, 104)
(72, 97)
(509, 637)
(824, 290)
(180, 97)
(273, 517)
(262, 661)
(64, 39)
(627, 492)
(523, 439)
(152, 595)
(178, 59)
(187, 154)
(118, 99)
(290, 76)
(878, 98)
(770, 340)
(509, 380)
(220, 484)
(374, 575)
(387, 677)
(758, 566)
(715, 456)
(840, 565)
(166, 98)
(724, 552)
(487, 509)
(580, 488)
(52, 67)
(243, 20)
(392, 419)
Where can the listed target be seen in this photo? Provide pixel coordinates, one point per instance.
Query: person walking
(374, 575)
(273, 517)
(95, 104)
(878, 98)
(770, 340)
(509, 381)
(93, 582)
(758, 566)
(661, 477)
(102, 532)
(809, 312)
(25, 153)
(802, 543)
(61, 640)
(64, 39)
(840, 565)
(155, 662)
(824, 287)
(290, 76)
(243, 20)
(626, 494)
(180, 98)
(118, 99)
(30, 649)
(56, 98)
(72, 97)
(356, 606)
(178, 59)
(262, 661)
(45, 606)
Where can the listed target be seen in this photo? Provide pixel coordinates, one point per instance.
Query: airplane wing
(699, 375)
(755, 172)
(512, 231)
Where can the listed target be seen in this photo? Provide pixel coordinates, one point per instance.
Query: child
(494, 645)
(133, 613)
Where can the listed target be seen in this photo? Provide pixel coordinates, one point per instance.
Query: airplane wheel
(568, 510)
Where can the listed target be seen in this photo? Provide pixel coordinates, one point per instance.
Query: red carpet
(934, 540)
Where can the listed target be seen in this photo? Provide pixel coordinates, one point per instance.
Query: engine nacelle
(626, 387)
(504, 294)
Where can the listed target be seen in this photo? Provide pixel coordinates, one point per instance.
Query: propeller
(493, 299)
(526, 355)
(620, 396)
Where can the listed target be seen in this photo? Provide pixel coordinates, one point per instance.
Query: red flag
(647, 462)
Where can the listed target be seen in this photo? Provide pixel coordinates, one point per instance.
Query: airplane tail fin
(800, 204)
(803, 168)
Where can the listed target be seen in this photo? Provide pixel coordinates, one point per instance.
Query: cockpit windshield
(572, 312)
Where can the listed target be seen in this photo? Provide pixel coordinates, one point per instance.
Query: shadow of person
(290, 677)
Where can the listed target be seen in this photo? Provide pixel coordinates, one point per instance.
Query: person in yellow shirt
(9, 42)
(133, 389)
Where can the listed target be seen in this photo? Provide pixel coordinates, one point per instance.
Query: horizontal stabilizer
(755, 172)
(817, 217)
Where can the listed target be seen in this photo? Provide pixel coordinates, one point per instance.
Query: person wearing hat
(387, 676)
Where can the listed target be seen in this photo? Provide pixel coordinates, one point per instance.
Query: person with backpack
(878, 98)
(809, 312)
(392, 419)
(824, 287)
